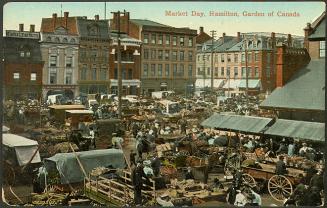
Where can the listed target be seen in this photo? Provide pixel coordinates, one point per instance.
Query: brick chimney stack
(201, 30)
(224, 34)
(273, 40)
(66, 19)
(96, 17)
(32, 28)
(238, 36)
(54, 20)
(307, 32)
(289, 40)
(21, 27)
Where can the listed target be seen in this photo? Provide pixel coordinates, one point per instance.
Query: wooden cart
(279, 186)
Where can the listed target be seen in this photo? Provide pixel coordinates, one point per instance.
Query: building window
(190, 55)
(69, 61)
(116, 73)
(146, 38)
(250, 74)
(146, 53)
(28, 54)
(268, 58)
(208, 71)
(243, 58)
(174, 55)
(33, 76)
(84, 73)
(222, 58)
(167, 39)
(53, 76)
(103, 74)
(208, 57)
(153, 54)
(181, 41)
(228, 58)
(222, 71)
(322, 49)
(16, 75)
(124, 73)
(203, 57)
(235, 58)
(94, 74)
(160, 39)
(153, 70)
(174, 69)
(145, 70)
(160, 54)
(243, 72)
(69, 77)
(268, 72)
(256, 72)
(228, 71)
(82, 53)
(235, 71)
(181, 70)
(94, 54)
(190, 42)
(167, 54)
(106, 55)
(53, 60)
(159, 70)
(167, 70)
(256, 57)
(130, 74)
(190, 70)
(199, 71)
(181, 55)
(198, 57)
(21, 53)
(216, 71)
(153, 38)
(250, 57)
(174, 40)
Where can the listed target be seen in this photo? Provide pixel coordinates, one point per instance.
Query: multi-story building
(59, 48)
(254, 53)
(22, 64)
(168, 54)
(93, 58)
(130, 64)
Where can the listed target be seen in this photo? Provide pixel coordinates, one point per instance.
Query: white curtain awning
(200, 83)
(126, 82)
(232, 84)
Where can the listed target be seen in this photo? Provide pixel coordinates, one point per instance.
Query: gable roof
(47, 25)
(202, 38)
(83, 26)
(319, 32)
(144, 22)
(304, 91)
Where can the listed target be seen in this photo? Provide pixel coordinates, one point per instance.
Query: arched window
(72, 40)
(64, 40)
(57, 40)
(48, 38)
(258, 43)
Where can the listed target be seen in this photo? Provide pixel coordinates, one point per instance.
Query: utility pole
(213, 34)
(119, 65)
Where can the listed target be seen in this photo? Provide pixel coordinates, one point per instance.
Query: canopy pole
(79, 162)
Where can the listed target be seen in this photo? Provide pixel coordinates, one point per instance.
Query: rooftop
(145, 22)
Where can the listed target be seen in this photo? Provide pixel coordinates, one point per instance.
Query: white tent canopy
(201, 83)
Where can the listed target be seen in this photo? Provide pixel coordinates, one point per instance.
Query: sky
(33, 12)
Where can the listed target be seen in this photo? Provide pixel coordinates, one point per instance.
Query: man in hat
(280, 166)
(137, 174)
(282, 147)
(189, 174)
(132, 157)
(291, 149)
(303, 149)
(318, 180)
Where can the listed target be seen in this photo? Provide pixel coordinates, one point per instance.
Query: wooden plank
(111, 188)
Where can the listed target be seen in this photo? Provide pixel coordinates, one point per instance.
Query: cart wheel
(249, 180)
(279, 187)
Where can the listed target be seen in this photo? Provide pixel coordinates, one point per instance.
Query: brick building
(130, 64)
(202, 37)
(93, 58)
(168, 54)
(22, 64)
(59, 47)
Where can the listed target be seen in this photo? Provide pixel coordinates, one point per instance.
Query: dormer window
(94, 30)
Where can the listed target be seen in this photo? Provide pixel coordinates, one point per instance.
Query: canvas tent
(69, 170)
(23, 148)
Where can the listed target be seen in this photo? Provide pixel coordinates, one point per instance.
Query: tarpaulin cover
(24, 148)
(298, 129)
(237, 123)
(70, 171)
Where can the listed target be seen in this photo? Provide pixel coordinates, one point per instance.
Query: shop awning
(252, 84)
(217, 83)
(249, 124)
(298, 129)
(232, 84)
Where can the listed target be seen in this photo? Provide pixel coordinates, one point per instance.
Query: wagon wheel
(279, 187)
(249, 180)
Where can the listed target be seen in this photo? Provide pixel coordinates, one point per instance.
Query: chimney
(32, 28)
(96, 17)
(66, 18)
(238, 36)
(21, 27)
(289, 40)
(273, 40)
(224, 34)
(54, 20)
(201, 29)
(307, 33)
